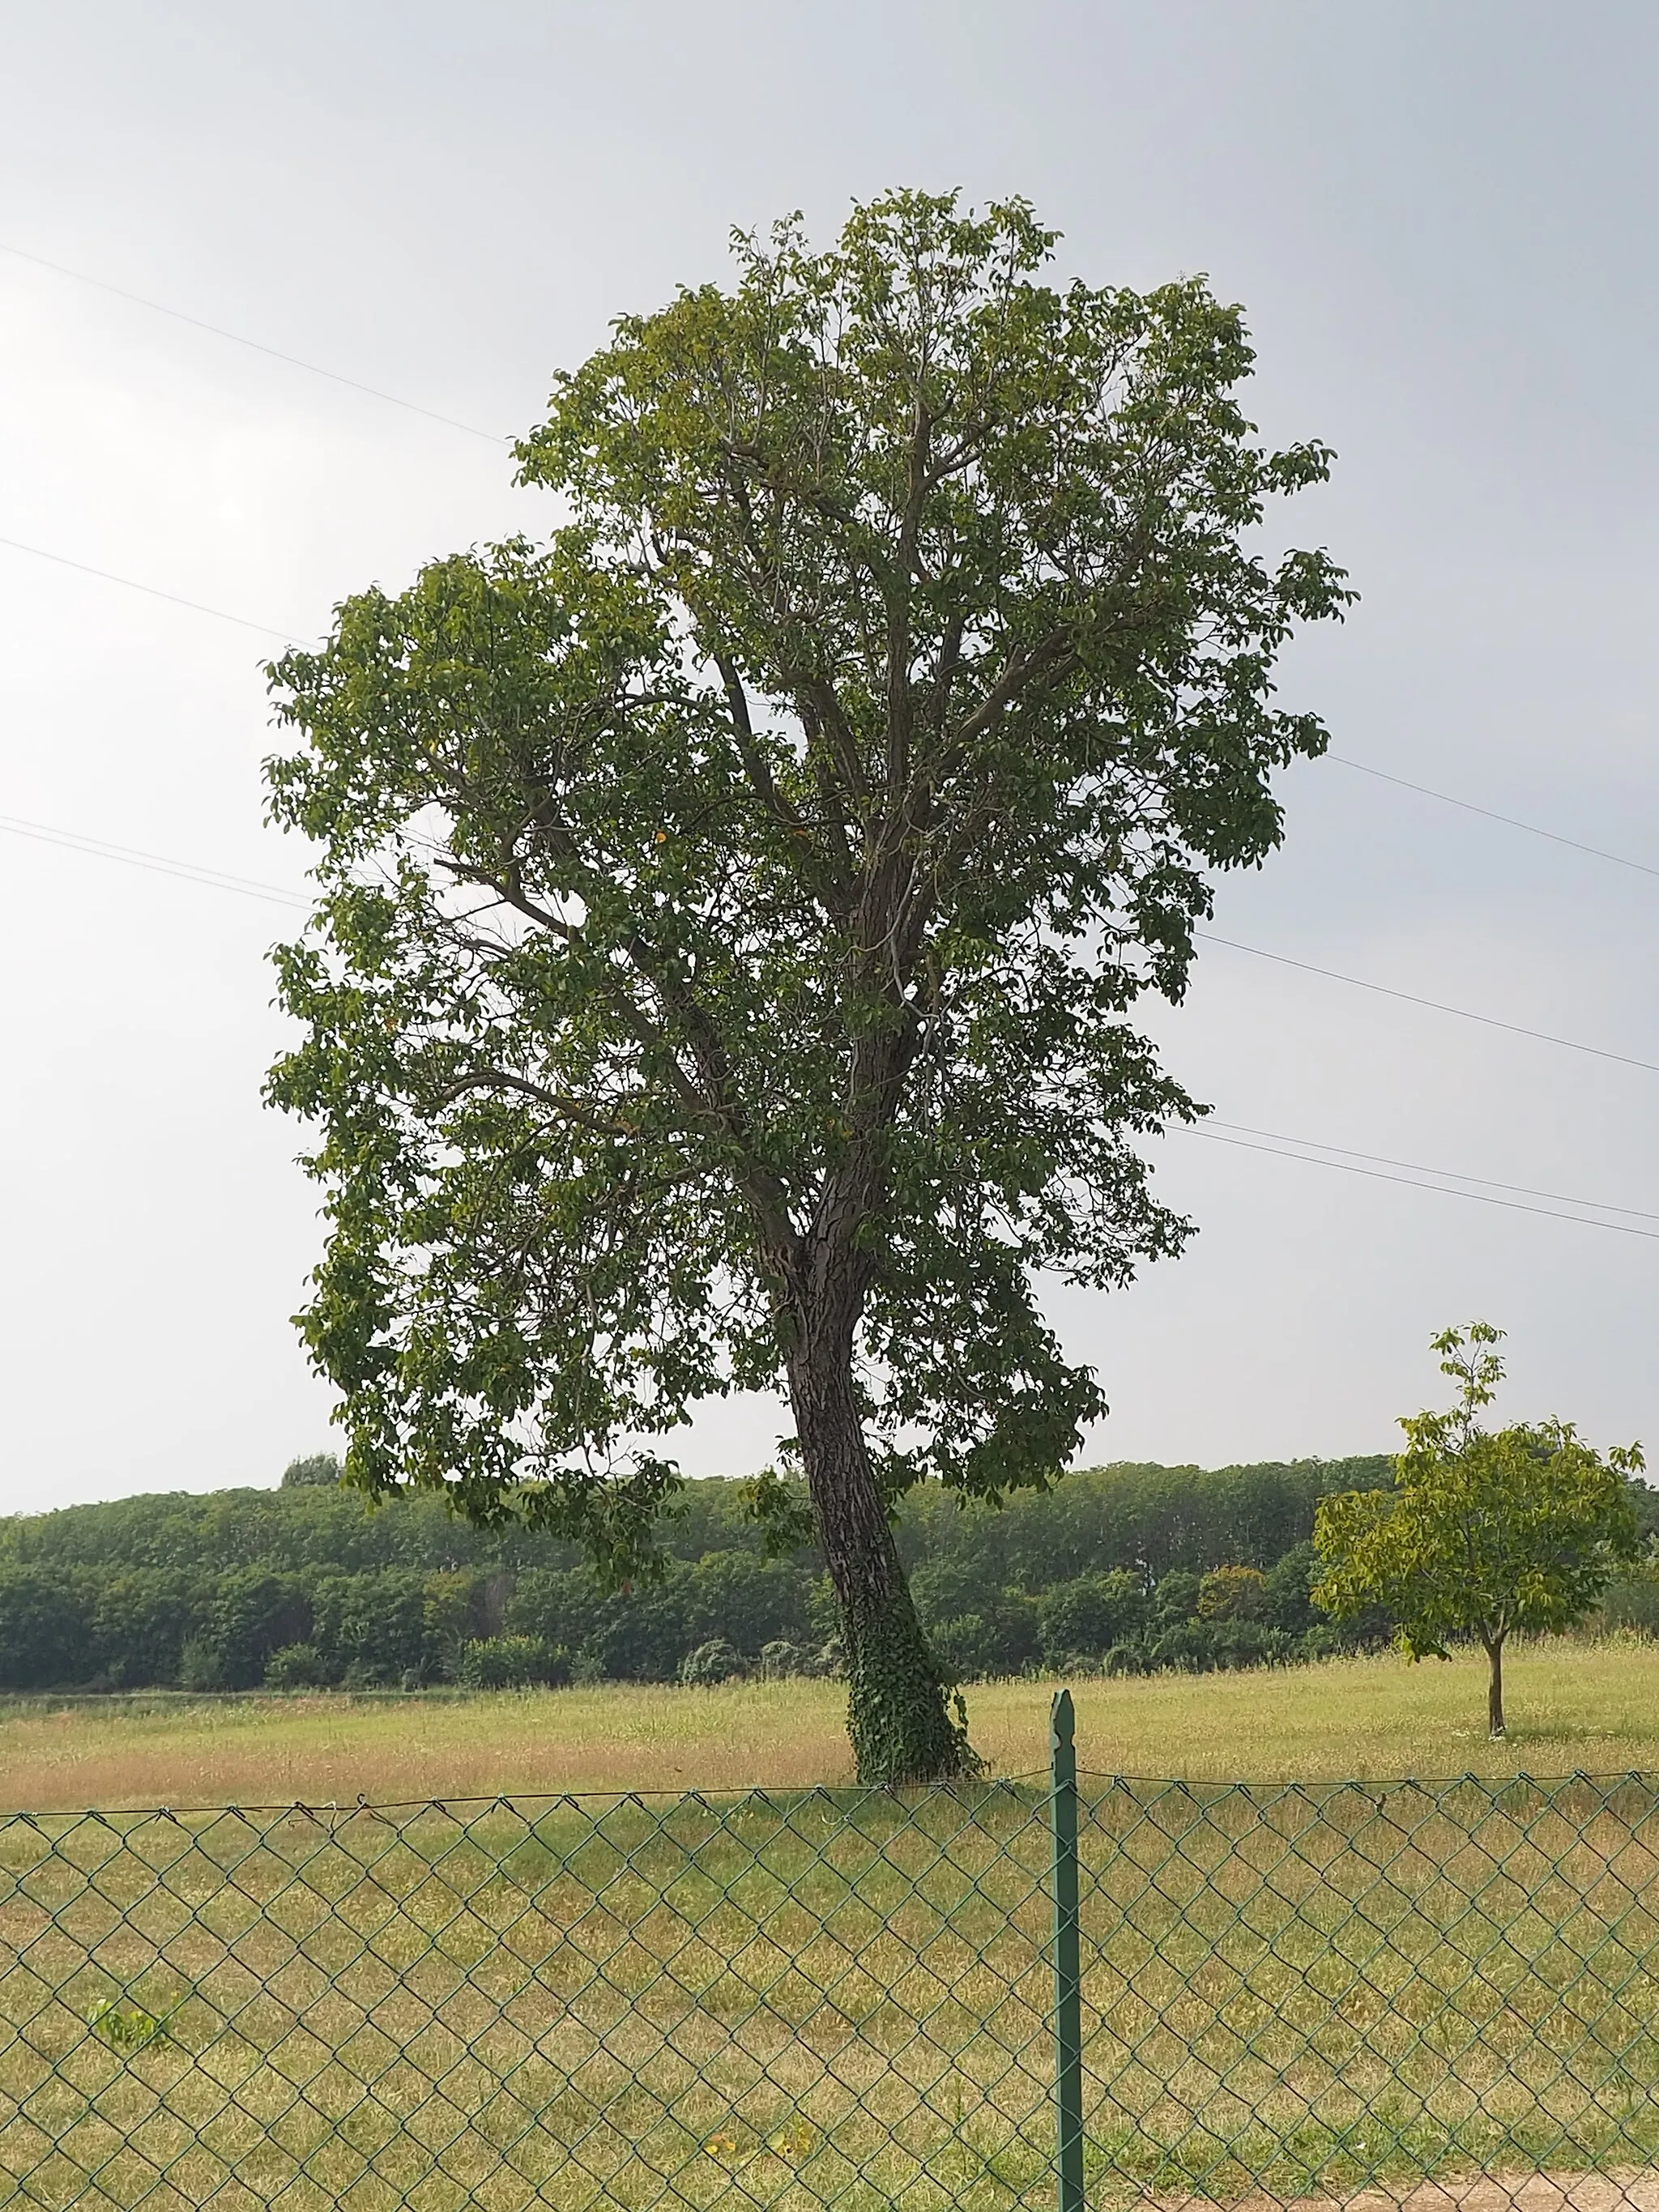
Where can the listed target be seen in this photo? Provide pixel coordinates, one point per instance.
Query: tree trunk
(1495, 1689)
(898, 1716)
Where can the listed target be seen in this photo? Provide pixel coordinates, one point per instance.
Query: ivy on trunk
(730, 909)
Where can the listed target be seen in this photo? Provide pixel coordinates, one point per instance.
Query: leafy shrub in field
(42, 1634)
(968, 1648)
(199, 1665)
(750, 1601)
(371, 1628)
(716, 1661)
(1232, 1593)
(1176, 1596)
(513, 1662)
(1632, 1604)
(138, 1622)
(254, 1613)
(318, 1470)
(1084, 1618)
(1287, 1603)
(1188, 1646)
(294, 1667)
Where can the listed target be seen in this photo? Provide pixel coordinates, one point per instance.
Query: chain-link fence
(840, 1998)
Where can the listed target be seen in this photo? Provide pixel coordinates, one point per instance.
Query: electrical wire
(215, 880)
(100, 848)
(1452, 1175)
(1509, 821)
(220, 614)
(1377, 1174)
(289, 637)
(254, 345)
(1437, 1005)
(496, 438)
(151, 591)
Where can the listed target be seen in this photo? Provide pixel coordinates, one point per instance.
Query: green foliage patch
(307, 1586)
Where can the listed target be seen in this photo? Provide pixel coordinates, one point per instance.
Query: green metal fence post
(1068, 1968)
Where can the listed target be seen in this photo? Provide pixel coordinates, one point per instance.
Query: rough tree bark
(1495, 1688)
(898, 1716)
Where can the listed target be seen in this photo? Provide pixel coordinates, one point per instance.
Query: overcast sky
(1441, 219)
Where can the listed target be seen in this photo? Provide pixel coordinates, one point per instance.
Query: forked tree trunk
(899, 1716)
(1495, 1689)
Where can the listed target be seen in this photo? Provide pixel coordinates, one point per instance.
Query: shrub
(738, 1598)
(717, 1661)
(1633, 1604)
(1188, 1645)
(1232, 1593)
(781, 1661)
(313, 1473)
(199, 1665)
(1083, 1619)
(1176, 1597)
(294, 1667)
(1287, 1604)
(512, 1662)
(44, 1637)
(967, 1647)
(1241, 1643)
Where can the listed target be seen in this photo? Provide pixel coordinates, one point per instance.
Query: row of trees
(1147, 1519)
(1136, 1567)
(1127, 1569)
(730, 1613)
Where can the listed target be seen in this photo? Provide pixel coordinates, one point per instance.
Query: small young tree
(1486, 1531)
(730, 910)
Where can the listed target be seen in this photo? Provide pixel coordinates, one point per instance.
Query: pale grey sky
(1442, 220)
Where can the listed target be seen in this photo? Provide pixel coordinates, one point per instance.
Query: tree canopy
(1486, 1531)
(314, 1586)
(730, 909)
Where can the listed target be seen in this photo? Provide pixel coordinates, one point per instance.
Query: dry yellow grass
(1573, 1706)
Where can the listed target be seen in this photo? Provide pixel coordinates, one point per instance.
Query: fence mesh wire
(834, 1998)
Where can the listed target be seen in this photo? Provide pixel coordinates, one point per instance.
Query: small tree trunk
(1495, 1689)
(898, 1714)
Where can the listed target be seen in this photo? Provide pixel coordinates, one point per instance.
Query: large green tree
(1486, 1531)
(729, 907)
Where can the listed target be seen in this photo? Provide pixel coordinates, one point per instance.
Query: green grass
(810, 1998)
(807, 1997)
(1572, 1706)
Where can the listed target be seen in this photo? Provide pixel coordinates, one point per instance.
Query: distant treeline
(1129, 1568)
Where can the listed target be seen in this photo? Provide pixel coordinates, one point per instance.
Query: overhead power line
(290, 637)
(1239, 1135)
(1451, 1175)
(100, 848)
(151, 591)
(497, 438)
(1412, 1182)
(254, 345)
(1437, 1005)
(1509, 821)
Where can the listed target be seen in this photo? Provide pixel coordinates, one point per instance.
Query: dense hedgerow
(1127, 1569)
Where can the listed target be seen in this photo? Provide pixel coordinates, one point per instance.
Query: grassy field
(811, 1998)
(822, 1999)
(1573, 1707)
